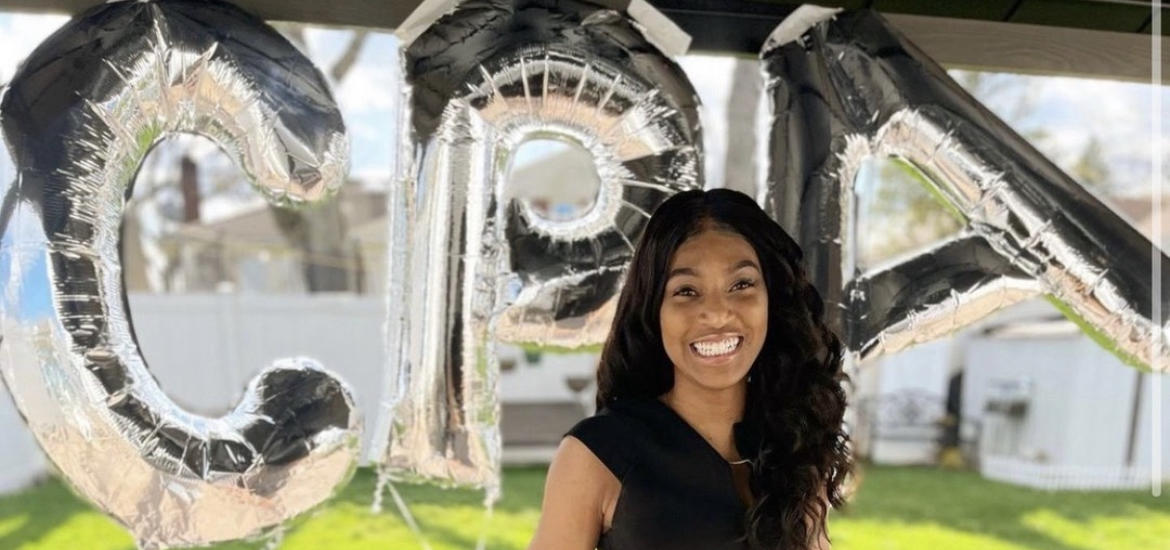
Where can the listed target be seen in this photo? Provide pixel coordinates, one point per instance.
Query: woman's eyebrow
(681, 271)
(742, 264)
(688, 271)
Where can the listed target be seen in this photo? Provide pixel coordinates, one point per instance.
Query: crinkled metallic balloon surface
(470, 264)
(79, 117)
(847, 88)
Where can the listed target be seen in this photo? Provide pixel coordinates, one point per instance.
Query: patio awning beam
(968, 40)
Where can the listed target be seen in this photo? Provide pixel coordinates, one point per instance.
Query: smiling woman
(714, 312)
(720, 397)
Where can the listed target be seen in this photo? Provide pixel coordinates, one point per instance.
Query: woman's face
(714, 313)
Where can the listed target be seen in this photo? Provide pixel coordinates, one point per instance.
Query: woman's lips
(717, 348)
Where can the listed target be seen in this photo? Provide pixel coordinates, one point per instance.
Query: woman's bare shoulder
(579, 478)
(578, 496)
(573, 457)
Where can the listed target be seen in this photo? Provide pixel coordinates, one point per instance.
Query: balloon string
(275, 539)
(489, 507)
(384, 483)
(379, 489)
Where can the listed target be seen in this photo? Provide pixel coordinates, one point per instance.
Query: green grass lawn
(895, 508)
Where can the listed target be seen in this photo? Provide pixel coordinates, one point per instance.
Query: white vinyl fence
(204, 348)
(1060, 477)
(21, 461)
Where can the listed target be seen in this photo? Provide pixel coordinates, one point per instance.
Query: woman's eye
(746, 283)
(685, 291)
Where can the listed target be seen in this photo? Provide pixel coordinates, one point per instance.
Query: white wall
(923, 367)
(547, 380)
(1077, 429)
(1081, 403)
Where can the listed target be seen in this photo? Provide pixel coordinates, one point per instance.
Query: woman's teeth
(720, 347)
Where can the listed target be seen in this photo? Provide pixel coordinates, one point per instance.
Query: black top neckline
(673, 495)
(735, 430)
(744, 432)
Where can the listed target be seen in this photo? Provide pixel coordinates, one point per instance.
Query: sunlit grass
(895, 508)
(1140, 526)
(49, 516)
(929, 508)
(10, 524)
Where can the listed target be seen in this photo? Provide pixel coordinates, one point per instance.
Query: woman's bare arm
(577, 494)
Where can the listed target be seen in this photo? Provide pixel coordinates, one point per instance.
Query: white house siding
(1076, 431)
(1046, 364)
(1097, 431)
(1144, 455)
(1081, 400)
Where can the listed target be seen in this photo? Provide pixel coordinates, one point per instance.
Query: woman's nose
(716, 311)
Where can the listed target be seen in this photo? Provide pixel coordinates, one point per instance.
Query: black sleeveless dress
(677, 492)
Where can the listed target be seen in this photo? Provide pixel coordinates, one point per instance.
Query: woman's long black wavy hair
(795, 394)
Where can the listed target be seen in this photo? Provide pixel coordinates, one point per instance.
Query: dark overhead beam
(1033, 49)
(740, 27)
(384, 14)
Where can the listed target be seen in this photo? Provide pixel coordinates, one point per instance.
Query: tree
(898, 213)
(176, 176)
(739, 169)
(181, 172)
(319, 232)
(1090, 168)
(902, 213)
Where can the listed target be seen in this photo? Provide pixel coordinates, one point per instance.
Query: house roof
(1138, 211)
(568, 176)
(257, 226)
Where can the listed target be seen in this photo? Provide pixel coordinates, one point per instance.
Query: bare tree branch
(349, 57)
(295, 32)
(320, 232)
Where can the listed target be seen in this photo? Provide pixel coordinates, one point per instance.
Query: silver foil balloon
(470, 264)
(844, 87)
(79, 116)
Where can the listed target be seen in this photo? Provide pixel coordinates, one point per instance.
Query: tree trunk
(319, 232)
(739, 169)
(189, 186)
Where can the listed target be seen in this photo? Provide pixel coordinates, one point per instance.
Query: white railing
(1063, 477)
